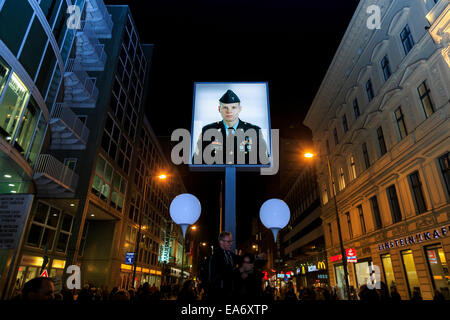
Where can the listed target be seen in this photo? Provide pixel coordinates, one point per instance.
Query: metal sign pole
(230, 202)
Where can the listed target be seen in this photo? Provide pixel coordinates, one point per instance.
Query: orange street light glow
(193, 227)
(162, 176)
(309, 155)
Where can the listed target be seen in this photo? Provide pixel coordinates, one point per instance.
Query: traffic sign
(44, 274)
(129, 258)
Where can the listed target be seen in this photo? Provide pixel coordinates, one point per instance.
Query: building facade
(381, 116)
(82, 146)
(302, 242)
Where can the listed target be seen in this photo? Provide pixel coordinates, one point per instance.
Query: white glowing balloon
(185, 210)
(274, 215)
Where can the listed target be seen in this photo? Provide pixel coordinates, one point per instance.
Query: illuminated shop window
(388, 270)
(410, 271)
(439, 269)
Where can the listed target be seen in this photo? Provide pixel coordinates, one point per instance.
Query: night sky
(288, 43)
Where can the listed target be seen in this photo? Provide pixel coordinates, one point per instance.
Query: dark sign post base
(230, 202)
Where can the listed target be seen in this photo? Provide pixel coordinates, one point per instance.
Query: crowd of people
(224, 276)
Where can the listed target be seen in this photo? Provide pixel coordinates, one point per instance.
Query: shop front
(143, 275)
(417, 263)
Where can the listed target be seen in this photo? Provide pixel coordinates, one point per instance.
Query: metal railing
(88, 82)
(63, 112)
(49, 165)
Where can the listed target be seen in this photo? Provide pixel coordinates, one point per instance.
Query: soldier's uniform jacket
(247, 145)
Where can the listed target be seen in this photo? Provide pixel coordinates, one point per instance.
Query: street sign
(129, 258)
(44, 274)
(351, 255)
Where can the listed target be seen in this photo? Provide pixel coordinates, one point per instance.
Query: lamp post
(138, 237)
(341, 243)
(275, 215)
(185, 210)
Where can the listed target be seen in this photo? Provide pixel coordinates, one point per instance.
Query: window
(386, 67)
(439, 269)
(27, 127)
(70, 163)
(410, 271)
(44, 225)
(352, 167)
(102, 180)
(325, 196)
(366, 155)
(376, 212)
(64, 233)
(425, 98)
(341, 179)
(124, 159)
(388, 270)
(118, 192)
(344, 123)
(400, 123)
(356, 108)
(361, 219)
(331, 233)
(407, 39)
(336, 139)
(5, 71)
(83, 238)
(444, 163)
(369, 90)
(349, 225)
(11, 107)
(393, 203)
(111, 136)
(417, 191)
(381, 141)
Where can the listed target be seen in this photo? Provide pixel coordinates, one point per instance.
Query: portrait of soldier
(231, 140)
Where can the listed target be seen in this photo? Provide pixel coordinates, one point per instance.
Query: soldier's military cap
(229, 97)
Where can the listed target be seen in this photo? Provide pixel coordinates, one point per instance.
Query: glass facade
(410, 271)
(438, 269)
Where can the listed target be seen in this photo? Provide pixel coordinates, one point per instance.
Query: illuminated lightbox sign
(351, 255)
(231, 125)
(312, 268)
(414, 239)
(336, 258)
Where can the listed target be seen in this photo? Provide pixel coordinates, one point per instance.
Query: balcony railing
(90, 51)
(76, 129)
(53, 177)
(80, 89)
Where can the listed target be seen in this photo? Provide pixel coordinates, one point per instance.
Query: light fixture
(12, 191)
(274, 215)
(92, 215)
(54, 214)
(72, 205)
(185, 210)
(11, 185)
(7, 176)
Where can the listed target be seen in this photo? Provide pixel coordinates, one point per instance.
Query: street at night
(225, 159)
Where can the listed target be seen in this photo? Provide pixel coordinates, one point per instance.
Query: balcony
(89, 51)
(68, 132)
(79, 89)
(97, 13)
(53, 179)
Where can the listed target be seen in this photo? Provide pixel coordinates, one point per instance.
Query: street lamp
(344, 259)
(185, 210)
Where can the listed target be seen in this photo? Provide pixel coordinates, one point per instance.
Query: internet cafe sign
(415, 238)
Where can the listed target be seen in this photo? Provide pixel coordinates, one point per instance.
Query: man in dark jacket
(221, 266)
